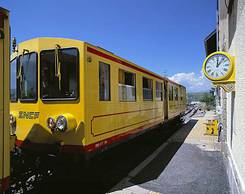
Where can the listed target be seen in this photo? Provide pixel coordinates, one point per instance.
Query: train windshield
(27, 77)
(59, 74)
(13, 80)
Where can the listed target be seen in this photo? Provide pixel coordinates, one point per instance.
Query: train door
(4, 101)
(165, 102)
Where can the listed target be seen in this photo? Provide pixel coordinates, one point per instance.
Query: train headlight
(12, 121)
(61, 123)
(51, 123)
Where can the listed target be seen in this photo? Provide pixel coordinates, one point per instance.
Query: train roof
(135, 65)
(40, 39)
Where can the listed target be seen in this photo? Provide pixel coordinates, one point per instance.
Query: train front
(46, 107)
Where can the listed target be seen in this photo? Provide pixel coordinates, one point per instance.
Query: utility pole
(4, 100)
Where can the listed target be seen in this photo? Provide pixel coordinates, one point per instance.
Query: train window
(181, 94)
(171, 93)
(159, 91)
(104, 81)
(13, 80)
(147, 89)
(60, 74)
(27, 77)
(127, 86)
(176, 94)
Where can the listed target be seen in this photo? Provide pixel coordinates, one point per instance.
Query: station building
(229, 36)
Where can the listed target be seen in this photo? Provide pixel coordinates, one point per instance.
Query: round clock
(218, 66)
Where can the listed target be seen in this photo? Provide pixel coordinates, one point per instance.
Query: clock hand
(217, 63)
(221, 62)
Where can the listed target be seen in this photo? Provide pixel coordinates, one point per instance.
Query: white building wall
(237, 49)
(235, 114)
(229, 118)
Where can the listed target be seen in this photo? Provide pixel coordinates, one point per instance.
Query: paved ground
(189, 162)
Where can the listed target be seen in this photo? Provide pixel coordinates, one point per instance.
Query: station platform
(189, 162)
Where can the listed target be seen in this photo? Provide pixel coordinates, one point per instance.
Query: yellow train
(82, 98)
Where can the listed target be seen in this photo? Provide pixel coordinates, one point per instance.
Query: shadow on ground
(105, 170)
(159, 163)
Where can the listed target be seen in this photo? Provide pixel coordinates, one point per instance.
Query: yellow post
(4, 100)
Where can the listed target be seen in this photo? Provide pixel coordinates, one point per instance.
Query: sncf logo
(28, 115)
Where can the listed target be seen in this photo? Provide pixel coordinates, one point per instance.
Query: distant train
(80, 98)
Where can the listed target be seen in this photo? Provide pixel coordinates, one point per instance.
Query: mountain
(197, 96)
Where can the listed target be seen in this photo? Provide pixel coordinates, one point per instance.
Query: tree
(209, 99)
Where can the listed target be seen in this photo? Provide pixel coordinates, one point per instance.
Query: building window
(104, 81)
(171, 93)
(232, 19)
(176, 94)
(147, 89)
(159, 91)
(127, 86)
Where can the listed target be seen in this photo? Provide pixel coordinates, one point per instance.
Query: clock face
(218, 66)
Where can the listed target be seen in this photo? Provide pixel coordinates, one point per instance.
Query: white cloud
(193, 82)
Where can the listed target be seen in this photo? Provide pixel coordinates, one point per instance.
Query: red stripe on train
(86, 148)
(4, 184)
(101, 54)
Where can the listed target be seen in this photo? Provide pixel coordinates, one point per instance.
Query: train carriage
(78, 97)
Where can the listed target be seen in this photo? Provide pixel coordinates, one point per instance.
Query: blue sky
(163, 36)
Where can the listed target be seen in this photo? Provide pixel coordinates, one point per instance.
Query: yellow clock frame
(229, 77)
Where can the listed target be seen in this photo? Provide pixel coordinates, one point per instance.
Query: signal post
(4, 100)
